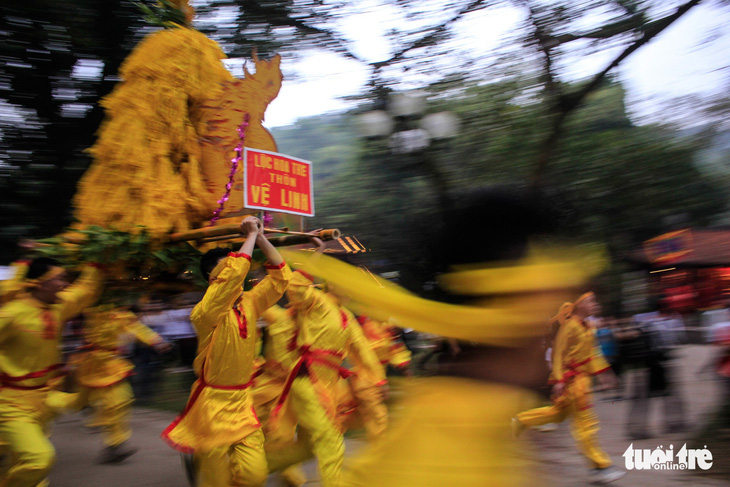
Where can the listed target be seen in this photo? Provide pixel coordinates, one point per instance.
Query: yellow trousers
(112, 408)
(240, 465)
(22, 419)
(317, 435)
(373, 412)
(576, 403)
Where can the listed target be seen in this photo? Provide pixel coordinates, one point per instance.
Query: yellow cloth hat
(11, 288)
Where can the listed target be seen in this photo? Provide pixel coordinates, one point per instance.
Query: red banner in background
(276, 182)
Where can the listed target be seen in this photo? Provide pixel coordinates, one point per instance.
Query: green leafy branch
(129, 256)
(163, 14)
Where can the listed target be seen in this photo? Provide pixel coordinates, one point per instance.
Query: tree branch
(436, 31)
(572, 101)
(605, 32)
(545, 44)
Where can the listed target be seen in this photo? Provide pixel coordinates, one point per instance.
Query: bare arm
(269, 251)
(250, 227)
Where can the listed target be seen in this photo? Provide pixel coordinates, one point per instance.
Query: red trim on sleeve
(305, 274)
(271, 266)
(240, 254)
(382, 382)
(602, 370)
(362, 319)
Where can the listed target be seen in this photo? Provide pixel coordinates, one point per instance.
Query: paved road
(556, 459)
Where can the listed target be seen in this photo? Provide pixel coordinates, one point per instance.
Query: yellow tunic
(220, 409)
(382, 338)
(30, 332)
(325, 335)
(101, 366)
(362, 400)
(576, 352)
(575, 358)
(279, 357)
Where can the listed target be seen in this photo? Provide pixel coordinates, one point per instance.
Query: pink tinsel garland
(234, 167)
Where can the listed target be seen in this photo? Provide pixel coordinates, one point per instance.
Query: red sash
(308, 358)
(11, 381)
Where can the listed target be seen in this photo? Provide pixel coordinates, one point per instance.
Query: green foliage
(163, 14)
(129, 257)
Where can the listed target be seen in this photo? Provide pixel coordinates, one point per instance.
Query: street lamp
(414, 132)
(409, 132)
(376, 123)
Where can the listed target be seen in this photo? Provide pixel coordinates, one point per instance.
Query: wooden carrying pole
(230, 232)
(283, 241)
(207, 232)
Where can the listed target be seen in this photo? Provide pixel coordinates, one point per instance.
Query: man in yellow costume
(101, 375)
(285, 446)
(323, 336)
(40, 302)
(383, 337)
(277, 358)
(576, 358)
(368, 384)
(219, 425)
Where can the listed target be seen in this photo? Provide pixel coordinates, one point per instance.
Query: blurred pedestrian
(178, 329)
(660, 334)
(219, 425)
(609, 344)
(576, 358)
(146, 360)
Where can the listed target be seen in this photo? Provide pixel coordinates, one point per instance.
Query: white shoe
(546, 427)
(606, 475)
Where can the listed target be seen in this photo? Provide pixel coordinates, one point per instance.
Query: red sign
(273, 181)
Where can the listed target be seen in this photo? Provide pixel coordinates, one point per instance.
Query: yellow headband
(12, 287)
(583, 297)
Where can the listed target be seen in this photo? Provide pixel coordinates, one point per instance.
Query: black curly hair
(40, 266)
